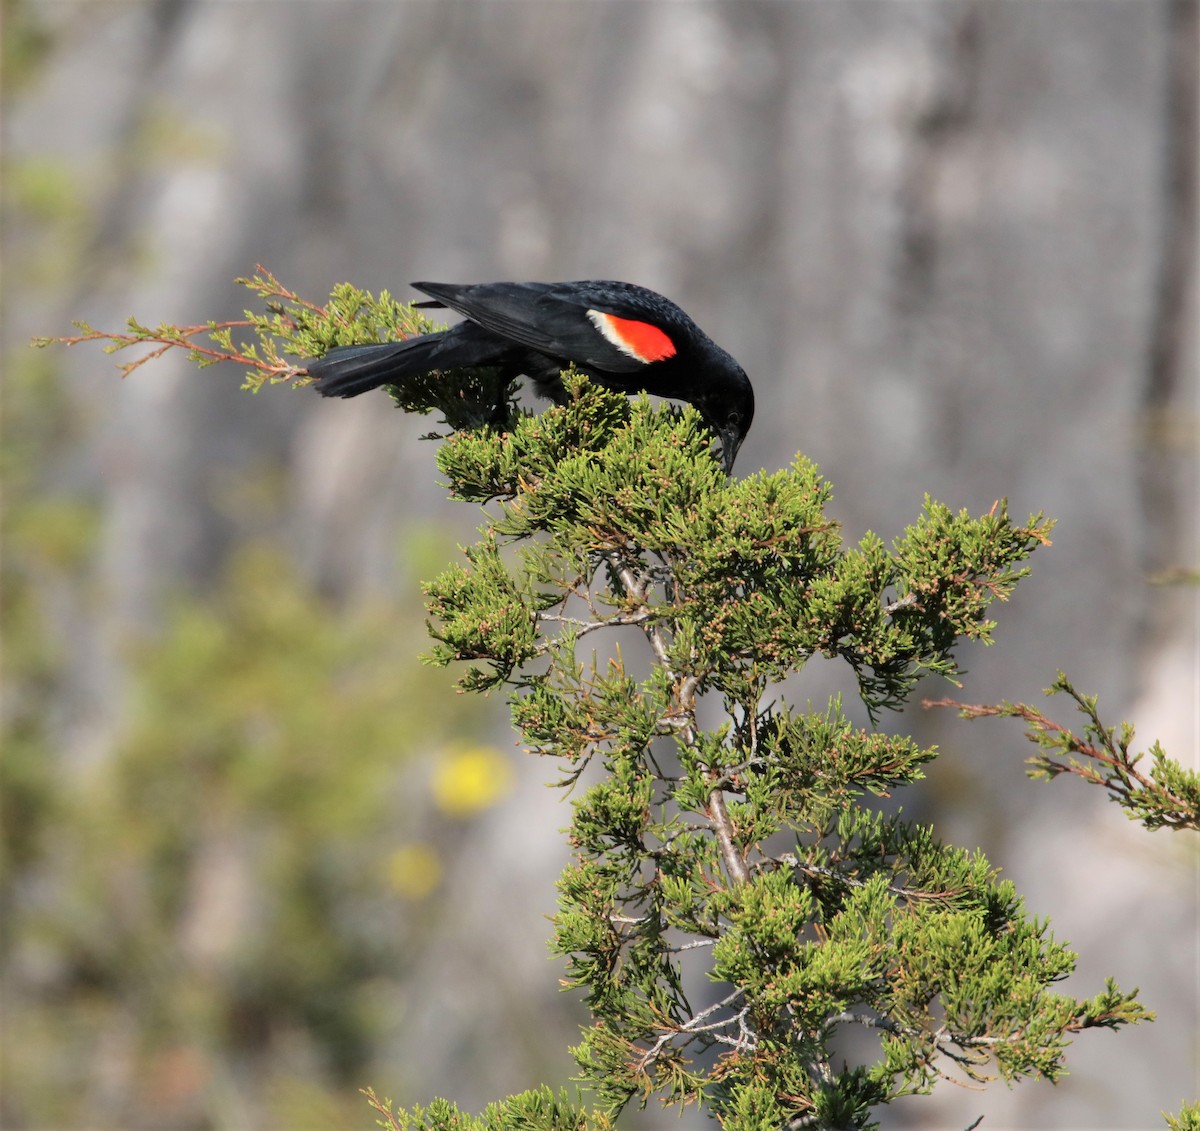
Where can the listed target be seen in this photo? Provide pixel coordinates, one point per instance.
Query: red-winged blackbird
(625, 337)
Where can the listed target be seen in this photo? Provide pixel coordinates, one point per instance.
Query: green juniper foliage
(1188, 1118)
(298, 329)
(736, 905)
(537, 1110)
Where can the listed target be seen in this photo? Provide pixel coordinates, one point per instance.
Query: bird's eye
(735, 418)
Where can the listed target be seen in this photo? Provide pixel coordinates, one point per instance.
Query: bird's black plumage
(623, 336)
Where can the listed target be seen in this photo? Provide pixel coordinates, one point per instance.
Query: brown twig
(181, 338)
(718, 812)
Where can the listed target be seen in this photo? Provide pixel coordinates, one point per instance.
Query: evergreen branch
(735, 585)
(685, 700)
(1166, 797)
(583, 627)
(167, 337)
(908, 895)
(619, 507)
(698, 1025)
(297, 328)
(1188, 1118)
(390, 1121)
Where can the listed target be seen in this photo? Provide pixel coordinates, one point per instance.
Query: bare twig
(176, 337)
(904, 602)
(699, 1024)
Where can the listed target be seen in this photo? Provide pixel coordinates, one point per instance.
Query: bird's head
(728, 408)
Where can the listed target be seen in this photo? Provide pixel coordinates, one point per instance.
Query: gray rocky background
(952, 243)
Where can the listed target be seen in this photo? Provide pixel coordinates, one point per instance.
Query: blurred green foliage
(207, 879)
(23, 46)
(207, 884)
(213, 893)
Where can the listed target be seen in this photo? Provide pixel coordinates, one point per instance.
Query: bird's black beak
(731, 440)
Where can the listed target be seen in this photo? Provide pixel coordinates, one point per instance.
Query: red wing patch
(642, 340)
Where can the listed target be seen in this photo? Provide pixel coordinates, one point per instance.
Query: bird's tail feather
(347, 371)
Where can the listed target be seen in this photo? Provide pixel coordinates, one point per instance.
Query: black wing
(551, 318)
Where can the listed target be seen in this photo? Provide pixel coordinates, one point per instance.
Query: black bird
(625, 337)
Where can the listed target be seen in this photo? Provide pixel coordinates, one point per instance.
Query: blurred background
(255, 856)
